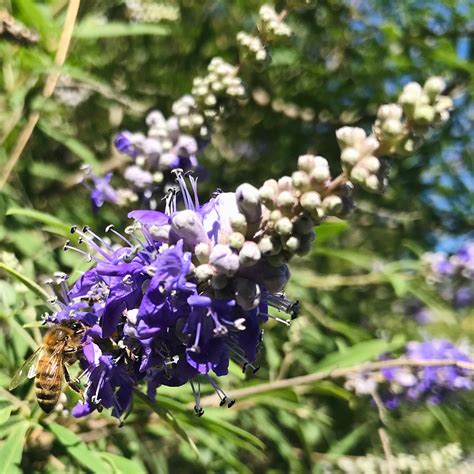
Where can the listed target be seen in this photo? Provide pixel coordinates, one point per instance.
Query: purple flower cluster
(168, 144)
(431, 384)
(171, 300)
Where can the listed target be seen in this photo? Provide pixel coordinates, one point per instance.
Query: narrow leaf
(12, 449)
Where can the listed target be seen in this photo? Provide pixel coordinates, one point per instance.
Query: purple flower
(431, 383)
(102, 191)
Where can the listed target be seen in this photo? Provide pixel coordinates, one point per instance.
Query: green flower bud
(424, 114)
(372, 182)
(236, 240)
(434, 86)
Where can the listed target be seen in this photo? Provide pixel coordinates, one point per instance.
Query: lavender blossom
(431, 384)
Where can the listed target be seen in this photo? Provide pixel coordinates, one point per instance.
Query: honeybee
(48, 364)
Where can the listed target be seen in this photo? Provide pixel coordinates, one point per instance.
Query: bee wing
(27, 370)
(54, 368)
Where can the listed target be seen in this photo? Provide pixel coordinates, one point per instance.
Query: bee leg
(73, 384)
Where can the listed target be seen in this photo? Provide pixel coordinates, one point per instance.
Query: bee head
(76, 326)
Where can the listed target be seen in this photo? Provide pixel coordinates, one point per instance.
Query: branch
(48, 90)
(338, 373)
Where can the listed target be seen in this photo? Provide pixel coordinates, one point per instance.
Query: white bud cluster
(190, 120)
(144, 11)
(359, 160)
(270, 25)
(401, 127)
(214, 91)
(444, 459)
(252, 49)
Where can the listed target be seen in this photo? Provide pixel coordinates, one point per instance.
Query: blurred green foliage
(344, 60)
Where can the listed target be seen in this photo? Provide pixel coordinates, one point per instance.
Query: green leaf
(330, 229)
(52, 223)
(352, 439)
(5, 414)
(79, 450)
(358, 257)
(93, 29)
(123, 465)
(33, 286)
(359, 353)
(75, 146)
(12, 449)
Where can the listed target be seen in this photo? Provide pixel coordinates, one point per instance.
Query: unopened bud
(224, 260)
(236, 240)
(248, 201)
(320, 174)
(203, 272)
(291, 244)
(202, 251)
(306, 163)
(424, 114)
(333, 204)
(188, 226)
(359, 174)
(276, 215)
(350, 156)
(283, 226)
(267, 195)
(285, 183)
(267, 246)
(350, 136)
(249, 254)
(300, 180)
(286, 200)
(238, 223)
(434, 86)
(372, 163)
(310, 201)
(372, 182)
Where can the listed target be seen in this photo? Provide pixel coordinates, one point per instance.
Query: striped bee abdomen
(48, 385)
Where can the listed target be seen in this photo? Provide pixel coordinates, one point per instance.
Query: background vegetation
(345, 59)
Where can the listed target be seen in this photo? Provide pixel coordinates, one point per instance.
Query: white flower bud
(300, 180)
(392, 127)
(202, 252)
(276, 215)
(372, 182)
(411, 94)
(310, 201)
(291, 244)
(285, 183)
(249, 254)
(306, 163)
(286, 200)
(372, 163)
(390, 111)
(332, 204)
(267, 246)
(248, 201)
(359, 173)
(267, 195)
(443, 103)
(160, 233)
(350, 156)
(283, 226)
(224, 260)
(320, 174)
(203, 272)
(350, 136)
(238, 223)
(434, 86)
(236, 240)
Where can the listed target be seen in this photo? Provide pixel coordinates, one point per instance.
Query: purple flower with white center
(431, 383)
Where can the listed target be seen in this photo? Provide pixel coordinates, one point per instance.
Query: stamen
(87, 256)
(197, 398)
(220, 393)
(110, 228)
(282, 303)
